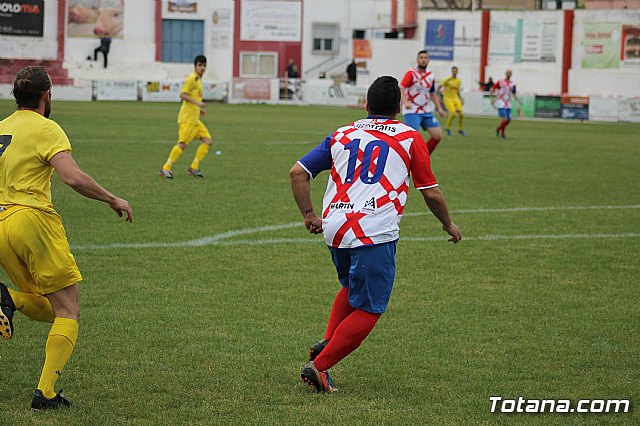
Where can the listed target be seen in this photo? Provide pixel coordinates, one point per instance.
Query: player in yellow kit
(452, 100)
(33, 245)
(189, 125)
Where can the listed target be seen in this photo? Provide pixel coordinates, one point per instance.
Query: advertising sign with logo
(630, 49)
(22, 18)
(270, 20)
(575, 107)
(252, 88)
(439, 38)
(601, 45)
(182, 6)
(95, 18)
(548, 107)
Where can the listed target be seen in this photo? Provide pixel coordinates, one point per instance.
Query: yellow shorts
(35, 252)
(453, 105)
(188, 132)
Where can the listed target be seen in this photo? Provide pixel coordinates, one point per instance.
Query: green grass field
(203, 309)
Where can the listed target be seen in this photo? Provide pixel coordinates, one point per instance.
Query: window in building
(325, 38)
(182, 40)
(259, 64)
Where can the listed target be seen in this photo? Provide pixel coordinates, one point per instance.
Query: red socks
(347, 337)
(431, 144)
(341, 309)
(501, 127)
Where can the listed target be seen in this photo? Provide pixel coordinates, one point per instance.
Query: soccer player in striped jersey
(418, 88)
(370, 162)
(189, 125)
(503, 90)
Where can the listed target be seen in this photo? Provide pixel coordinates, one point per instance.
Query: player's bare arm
(301, 188)
(186, 97)
(436, 100)
(403, 97)
(72, 175)
(436, 203)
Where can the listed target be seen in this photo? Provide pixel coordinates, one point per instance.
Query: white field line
(219, 239)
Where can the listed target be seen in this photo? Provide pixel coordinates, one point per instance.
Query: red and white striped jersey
(370, 162)
(418, 86)
(503, 90)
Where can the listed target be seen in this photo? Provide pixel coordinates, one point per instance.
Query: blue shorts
(504, 113)
(369, 272)
(426, 121)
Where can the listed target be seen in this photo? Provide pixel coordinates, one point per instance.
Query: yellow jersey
(451, 87)
(28, 141)
(190, 113)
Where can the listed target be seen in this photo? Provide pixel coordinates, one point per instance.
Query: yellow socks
(460, 117)
(34, 306)
(200, 153)
(450, 120)
(60, 344)
(175, 153)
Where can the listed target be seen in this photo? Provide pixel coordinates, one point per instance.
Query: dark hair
(200, 59)
(383, 97)
(421, 52)
(29, 86)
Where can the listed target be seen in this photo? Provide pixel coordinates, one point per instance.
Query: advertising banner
(539, 40)
(169, 91)
(504, 36)
(629, 110)
(117, 90)
(22, 18)
(362, 49)
(630, 49)
(95, 18)
(548, 107)
(182, 6)
(575, 107)
(601, 45)
(221, 28)
(524, 40)
(439, 38)
(270, 20)
(252, 88)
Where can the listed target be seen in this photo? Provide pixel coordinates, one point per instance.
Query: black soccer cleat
(195, 173)
(7, 309)
(320, 380)
(39, 402)
(166, 173)
(315, 350)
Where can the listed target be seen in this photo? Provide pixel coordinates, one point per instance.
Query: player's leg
(204, 135)
(40, 240)
(186, 133)
(25, 300)
(506, 120)
(61, 340)
(502, 113)
(370, 285)
(431, 124)
(458, 109)
(451, 111)
(412, 120)
(341, 308)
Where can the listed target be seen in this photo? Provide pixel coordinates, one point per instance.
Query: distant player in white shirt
(418, 88)
(370, 163)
